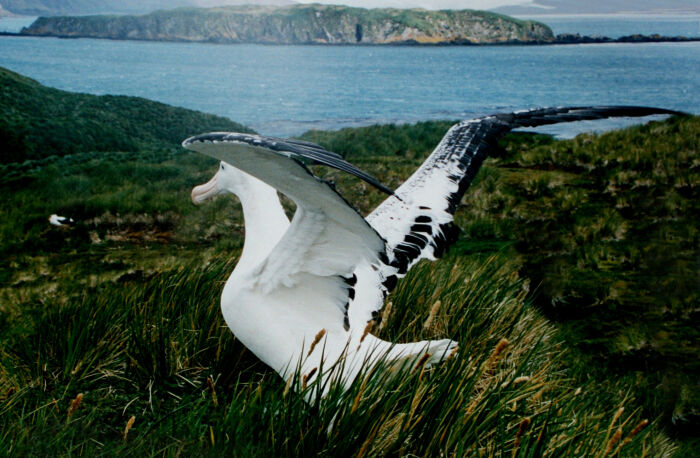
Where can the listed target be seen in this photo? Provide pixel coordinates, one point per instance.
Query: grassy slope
(144, 349)
(122, 308)
(37, 121)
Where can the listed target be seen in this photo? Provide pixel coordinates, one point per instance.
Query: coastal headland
(320, 25)
(300, 24)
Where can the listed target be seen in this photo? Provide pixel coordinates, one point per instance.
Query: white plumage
(319, 274)
(56, 220)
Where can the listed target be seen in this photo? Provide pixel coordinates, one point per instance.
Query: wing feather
(327, 238)
(297, 149)
(417, 221)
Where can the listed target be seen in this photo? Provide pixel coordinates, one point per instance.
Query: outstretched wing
(326, 239)
(294, 149)
(417, 221)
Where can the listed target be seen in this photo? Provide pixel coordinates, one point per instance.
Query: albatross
(56, 220)
(305, 294)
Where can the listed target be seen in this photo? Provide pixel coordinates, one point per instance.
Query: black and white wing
(417, 221)
(298, 150)
(327, 237)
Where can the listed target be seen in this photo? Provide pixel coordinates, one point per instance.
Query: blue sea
(286, 90)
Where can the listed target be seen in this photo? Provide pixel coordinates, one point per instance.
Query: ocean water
(286, 90)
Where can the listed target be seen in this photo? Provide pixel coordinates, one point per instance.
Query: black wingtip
(384, 189)
(543, 116)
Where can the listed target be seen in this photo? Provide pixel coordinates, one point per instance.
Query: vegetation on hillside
(598, 234)
(604, 226)
(37, 121)
(300, 24)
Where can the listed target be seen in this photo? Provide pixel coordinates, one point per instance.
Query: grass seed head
(75, 404)
(368, 329)
(617, 416)
(637, 429)
(129, 424)
(524, 424)
(421, 362)
(452, 354)
(385, 315)
(307, 377)
(214, 399)
(613, 442)
(288, 385)
(428, 324)
(317, 339)
(497, 354)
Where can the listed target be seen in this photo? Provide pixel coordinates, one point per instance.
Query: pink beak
(206, 191)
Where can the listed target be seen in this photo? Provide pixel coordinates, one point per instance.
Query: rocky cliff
(301, 24)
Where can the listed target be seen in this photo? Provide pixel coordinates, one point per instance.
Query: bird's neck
(265, 222)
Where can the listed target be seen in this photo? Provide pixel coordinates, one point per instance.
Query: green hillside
(37, 122)
(572, 291)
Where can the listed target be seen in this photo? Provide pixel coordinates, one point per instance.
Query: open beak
(206, 191)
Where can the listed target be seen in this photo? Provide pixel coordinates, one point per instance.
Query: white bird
(303, 293)
(56, 220)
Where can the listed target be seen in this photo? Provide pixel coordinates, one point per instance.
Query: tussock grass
(605, 226)
(157, 372)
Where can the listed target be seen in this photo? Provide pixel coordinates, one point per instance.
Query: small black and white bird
(303, 292)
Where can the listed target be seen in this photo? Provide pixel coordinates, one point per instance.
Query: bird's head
(226, 179)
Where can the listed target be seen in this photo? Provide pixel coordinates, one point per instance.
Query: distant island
(575, 38)
(300, 24)
(320, 24)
